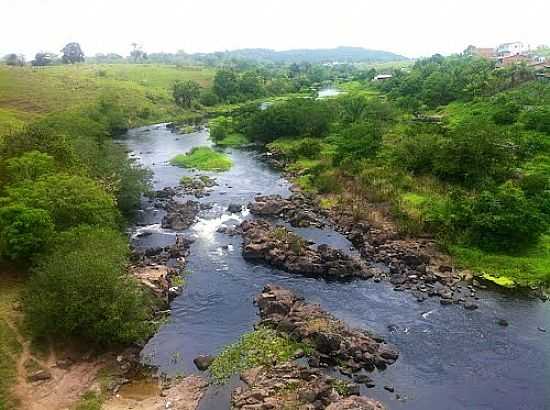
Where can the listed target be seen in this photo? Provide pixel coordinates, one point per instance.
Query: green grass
(233, 140)
(10, 289)
(258, 348)
(529, 268)
(204, 159)
(27, 93)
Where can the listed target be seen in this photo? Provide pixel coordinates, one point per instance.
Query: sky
(413, 28)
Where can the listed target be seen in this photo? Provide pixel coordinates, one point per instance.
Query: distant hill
(322, 55)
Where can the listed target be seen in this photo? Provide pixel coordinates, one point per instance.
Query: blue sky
(413, 28)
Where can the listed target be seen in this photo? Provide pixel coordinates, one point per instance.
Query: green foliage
(505, 219)
(537, 119)
(475, 152)
(186, 92)
(262, 347)
(209, 98)
(80, 290)
(70, 200)
(225, 84)
(203, 158)
(29, 166)
(24, 231)
(438, 80)
(293, 118)
(38, 137)
(358, 142)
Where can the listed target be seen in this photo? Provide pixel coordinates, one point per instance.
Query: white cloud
(412, 28)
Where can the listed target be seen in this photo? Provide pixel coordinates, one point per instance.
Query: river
(450, 358)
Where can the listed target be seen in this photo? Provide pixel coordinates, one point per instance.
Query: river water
(450, 358)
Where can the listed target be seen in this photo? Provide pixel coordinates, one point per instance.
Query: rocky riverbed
(448, 356)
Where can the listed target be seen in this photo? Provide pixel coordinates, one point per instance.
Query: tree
(226, 84)
(185, 92)
(80, 289)
(24, 231)
(44, 59)
(137, 53)
(15, 59)
(72, 53)
(70, 200)
(250, 85)
(30, 166)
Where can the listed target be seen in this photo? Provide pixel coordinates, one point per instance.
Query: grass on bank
(10, 289)
(27, 93)
(262, 347)
(204, 159)
(529, 267)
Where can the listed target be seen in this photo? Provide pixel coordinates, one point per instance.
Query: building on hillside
(382, 77)
(511, 49)
(507, 61)
(483, 52)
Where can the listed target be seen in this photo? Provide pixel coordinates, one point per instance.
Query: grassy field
(30, 92)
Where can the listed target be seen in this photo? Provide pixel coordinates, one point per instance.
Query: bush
(503, 219)
(507, 113)
(474, 153)
(537, 119)
(80, 290)
(294, 118)
(70, 200)
(358, 142)
(30, 166)
(185, 92)
(415, 150)
(24, 231)
(209, 98)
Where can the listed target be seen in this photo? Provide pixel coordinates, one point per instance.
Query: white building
(511, 49)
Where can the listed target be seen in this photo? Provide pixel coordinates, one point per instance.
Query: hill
(322, 55)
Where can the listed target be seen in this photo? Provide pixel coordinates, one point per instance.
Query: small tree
(185, 92)
(15, 59)
(72, 53)
(43, 59)
(23, 231)
(137, 53)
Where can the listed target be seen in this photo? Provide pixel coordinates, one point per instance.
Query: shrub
(40, 137)
(537, 119)
(507, 113)
(360, 141)
(209, 98)
(30, 166)
(185, 92)
(473, 153)
(294, 118)
(70, 200)
(504, 219)
(24, 231)
(81, 290)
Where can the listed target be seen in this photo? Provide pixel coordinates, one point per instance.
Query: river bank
(445, 350)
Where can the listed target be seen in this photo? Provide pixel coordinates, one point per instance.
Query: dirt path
(60, 387)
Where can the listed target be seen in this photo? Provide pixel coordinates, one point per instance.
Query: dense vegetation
(458, 148)
(66, 190)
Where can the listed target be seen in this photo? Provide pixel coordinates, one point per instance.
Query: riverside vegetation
(452, 148)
